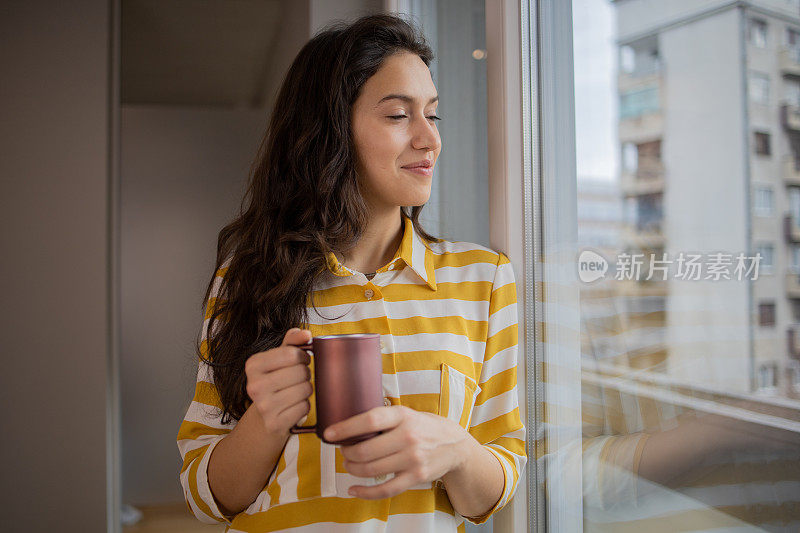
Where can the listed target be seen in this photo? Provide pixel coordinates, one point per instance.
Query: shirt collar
(413, 251)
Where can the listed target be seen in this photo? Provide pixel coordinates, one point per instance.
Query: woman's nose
(426, 136)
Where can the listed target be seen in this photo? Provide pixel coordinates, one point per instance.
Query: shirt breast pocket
(457, 395)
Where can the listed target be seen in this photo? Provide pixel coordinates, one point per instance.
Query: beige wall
(54, 171)
(183, 174)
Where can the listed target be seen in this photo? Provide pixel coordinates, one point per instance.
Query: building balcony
(647, 179)
(631, 80)
(789, 60)
(643, 237)
(792, 285)
(791, 171)
(642, 128)
(790, 117)
(793, 341)
(791, 230)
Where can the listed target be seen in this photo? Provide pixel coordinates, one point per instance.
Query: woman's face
(390, 133)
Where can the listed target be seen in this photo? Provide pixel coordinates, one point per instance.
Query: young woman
(328, 241)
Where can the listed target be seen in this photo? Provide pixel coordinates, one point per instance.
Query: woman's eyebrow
(405, 98)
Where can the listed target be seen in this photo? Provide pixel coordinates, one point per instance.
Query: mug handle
(303, 429)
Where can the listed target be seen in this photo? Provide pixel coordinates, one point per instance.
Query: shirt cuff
(204, 489)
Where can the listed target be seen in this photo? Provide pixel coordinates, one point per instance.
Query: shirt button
(369, 293)
(387, 402)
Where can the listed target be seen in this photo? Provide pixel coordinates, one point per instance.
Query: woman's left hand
(415, 446)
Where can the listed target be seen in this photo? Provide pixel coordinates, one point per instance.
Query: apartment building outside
(709, 132)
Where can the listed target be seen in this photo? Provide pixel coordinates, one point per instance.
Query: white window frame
(763, 40)
(759, 87)
(530, 68)
(764, 201)
(772, 369)
(767, 251)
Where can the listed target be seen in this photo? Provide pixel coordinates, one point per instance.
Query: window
(767, 377)
(630, 157)
(763, 202)
(627, 59)
(761, 142)
(794, 265)
(766, 314)
(758, 87)
(639, 102)
(794, 204)
(794, 374)
(791, 91)
(699, 350)
(758, 33)
(792, 37)
(767, 253)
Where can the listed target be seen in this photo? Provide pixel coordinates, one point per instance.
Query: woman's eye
(398, 117)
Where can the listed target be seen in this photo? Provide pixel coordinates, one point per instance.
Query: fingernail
(351, 491)
(330, 434)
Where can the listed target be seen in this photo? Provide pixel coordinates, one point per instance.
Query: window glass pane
(690, 339)
(759, 87)
(758, 33)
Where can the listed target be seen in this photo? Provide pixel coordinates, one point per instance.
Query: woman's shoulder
(475, 252)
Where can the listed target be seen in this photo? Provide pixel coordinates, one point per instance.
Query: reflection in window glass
(690, 343)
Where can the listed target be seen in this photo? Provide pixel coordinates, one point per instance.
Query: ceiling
(201, 52)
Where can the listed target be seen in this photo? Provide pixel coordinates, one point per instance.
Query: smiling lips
(424, 167)
(425, 163)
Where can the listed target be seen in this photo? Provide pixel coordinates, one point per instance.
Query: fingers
(296, 337)
(294, 394)
(372, 449)
(376, 419)
(276, 358)
(389, 464)
(288, 376)
(292, 415)
(393, 487)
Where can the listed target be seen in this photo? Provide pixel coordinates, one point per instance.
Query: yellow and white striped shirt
(447, 316)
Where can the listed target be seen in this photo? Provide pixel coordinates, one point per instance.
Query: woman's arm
(278, 383)
(242, 462)
(476, 484)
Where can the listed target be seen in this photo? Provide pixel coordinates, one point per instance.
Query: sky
(595, 61)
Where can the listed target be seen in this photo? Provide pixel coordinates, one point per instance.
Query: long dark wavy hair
(302, 200)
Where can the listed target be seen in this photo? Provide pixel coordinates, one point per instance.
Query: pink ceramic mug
(347, 380)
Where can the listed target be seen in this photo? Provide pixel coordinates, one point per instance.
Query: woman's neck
(377, 245)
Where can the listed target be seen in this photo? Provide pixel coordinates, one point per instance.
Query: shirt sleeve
(496, 422)
(201, 430)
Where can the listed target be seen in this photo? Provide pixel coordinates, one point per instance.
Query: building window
(766, 314)
(767, 252)
(627, 59)
(794, 374)
(630, 157)
(792, 38)
(763, 202)
(639, 102)
(766, 377)
(758, 33)
(761, 142)
(791, 91)
(758, 86)
(794, 268)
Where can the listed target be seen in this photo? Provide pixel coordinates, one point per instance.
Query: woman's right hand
(278, 382)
